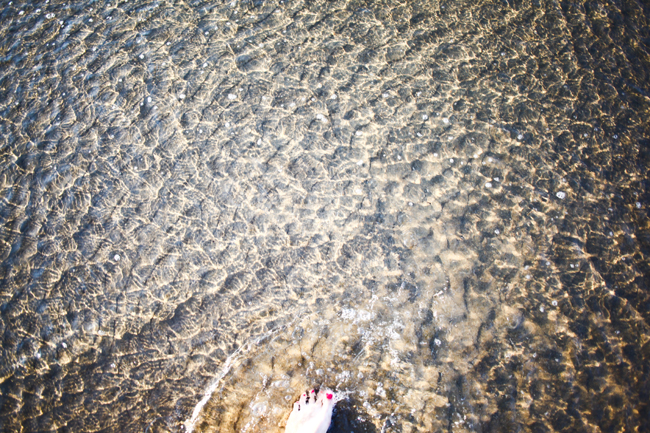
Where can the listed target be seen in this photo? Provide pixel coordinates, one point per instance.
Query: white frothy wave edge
(231, 361)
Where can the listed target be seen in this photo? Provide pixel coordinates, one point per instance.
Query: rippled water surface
(440, 208)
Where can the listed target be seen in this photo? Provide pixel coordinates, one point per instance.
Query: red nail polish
(329, 396)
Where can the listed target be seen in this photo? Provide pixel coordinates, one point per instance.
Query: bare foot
(312, 413)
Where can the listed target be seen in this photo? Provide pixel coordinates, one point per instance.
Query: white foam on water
(232, 361)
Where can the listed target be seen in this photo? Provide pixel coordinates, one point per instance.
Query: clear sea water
(439, 208)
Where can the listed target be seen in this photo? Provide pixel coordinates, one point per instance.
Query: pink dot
(312, 391)
(329, 396)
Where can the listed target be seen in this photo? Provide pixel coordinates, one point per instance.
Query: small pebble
(488, 184)
(117, 257)
(561, 195)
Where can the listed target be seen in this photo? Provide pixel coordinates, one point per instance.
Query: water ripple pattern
(439, 208)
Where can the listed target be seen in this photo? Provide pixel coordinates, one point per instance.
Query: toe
(329, 399)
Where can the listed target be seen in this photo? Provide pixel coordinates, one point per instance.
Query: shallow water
(440, 208)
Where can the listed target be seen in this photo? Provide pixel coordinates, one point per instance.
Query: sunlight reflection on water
(437, 208)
